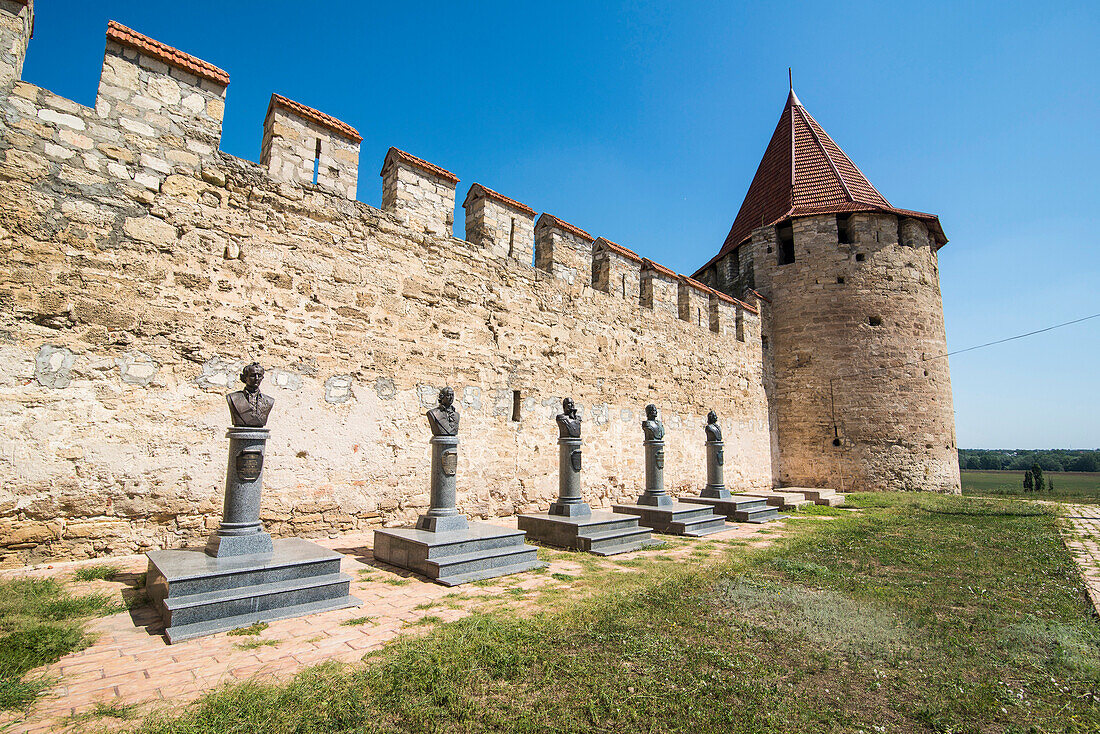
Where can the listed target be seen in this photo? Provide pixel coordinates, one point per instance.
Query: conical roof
(804, 172)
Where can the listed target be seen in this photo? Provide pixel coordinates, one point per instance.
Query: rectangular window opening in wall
(317, 162)
(624, 285)
(840, 279)
(763, 342)
(860, 257)
(874, 320)
(512, 237)
(843, 231)
(785, 235)
(698, 317)
(517, 401)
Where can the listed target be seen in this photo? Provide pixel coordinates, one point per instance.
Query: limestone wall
(857, 403)
(140, 268)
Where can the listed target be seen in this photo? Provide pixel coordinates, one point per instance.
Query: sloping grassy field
(915, 614)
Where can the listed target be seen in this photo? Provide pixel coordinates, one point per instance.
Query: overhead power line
(968, 349)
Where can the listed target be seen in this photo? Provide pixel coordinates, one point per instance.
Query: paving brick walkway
(131, 663)
(1083, 541)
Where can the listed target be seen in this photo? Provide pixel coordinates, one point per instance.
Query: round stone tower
(860, 389)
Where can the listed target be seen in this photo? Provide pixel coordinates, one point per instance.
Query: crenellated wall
(141, 268)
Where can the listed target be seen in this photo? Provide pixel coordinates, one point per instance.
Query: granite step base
(600, 533)
(197, 594)
(738, 507)
(692, 521)
(783, 499)
(454, 557)
(827, 497)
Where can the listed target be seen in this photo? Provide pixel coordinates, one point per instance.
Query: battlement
(156, 127)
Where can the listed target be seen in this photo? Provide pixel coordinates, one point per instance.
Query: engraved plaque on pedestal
(575, 460)
(659, 459)
(249, 465)
(450, 463)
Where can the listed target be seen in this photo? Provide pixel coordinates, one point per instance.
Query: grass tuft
(100, 572)
(252, 629)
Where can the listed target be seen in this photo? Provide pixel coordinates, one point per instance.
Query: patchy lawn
(917, 613)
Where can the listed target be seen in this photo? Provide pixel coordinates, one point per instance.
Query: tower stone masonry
(854, 324)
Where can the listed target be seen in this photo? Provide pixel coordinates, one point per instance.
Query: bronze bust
(569, 423)
(443, 418)
(653, 428)
(714, 432)
(250, 407)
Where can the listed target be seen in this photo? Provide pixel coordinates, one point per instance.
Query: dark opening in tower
(785, 235)
(843, 231)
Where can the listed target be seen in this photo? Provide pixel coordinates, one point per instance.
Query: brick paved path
(1083, 541)
(130, 662)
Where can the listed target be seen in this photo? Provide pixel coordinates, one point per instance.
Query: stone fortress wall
(142, 267)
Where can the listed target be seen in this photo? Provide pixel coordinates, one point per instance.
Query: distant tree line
(1023, 459)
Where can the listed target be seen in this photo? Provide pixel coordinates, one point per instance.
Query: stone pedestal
(655, 494)
(716, 483)
(444, 546)
(569, 503)
(197, 594)
(243, 577)
(656, 509)
(571, 523)
(443, 514)
(240, 532)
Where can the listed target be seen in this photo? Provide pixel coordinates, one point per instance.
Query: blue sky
(644, 123)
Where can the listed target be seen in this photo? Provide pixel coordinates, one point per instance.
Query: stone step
(739, 508)
(593, 533)
(456, 556)
(481, 559)
(261, 597)
(697, 527)
(821, 496)
(784, 500)
(445, 546)
(179, 573)
(490, 573)
(677, 518)
(602, 543)
(225, 624)
(765, 514)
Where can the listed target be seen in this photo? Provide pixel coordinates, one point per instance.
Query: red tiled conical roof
(804, 172)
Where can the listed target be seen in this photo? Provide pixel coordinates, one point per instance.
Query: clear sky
(644, 123)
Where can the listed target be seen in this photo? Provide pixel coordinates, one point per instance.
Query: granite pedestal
(198, 594)
(243, 576)
(444, 546)
(656, 509)
(571, 523)
(739, 508)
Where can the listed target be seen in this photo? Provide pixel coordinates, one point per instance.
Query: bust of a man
(653, 428)
(569, 423)
(250, 407)
(443, 418)
(714, 432)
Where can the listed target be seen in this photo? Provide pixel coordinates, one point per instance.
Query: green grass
(356, 621)
(255, 643)
(39, 623)
(101, 572)
(252, 629)
(917, 614)
(1072, 486)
